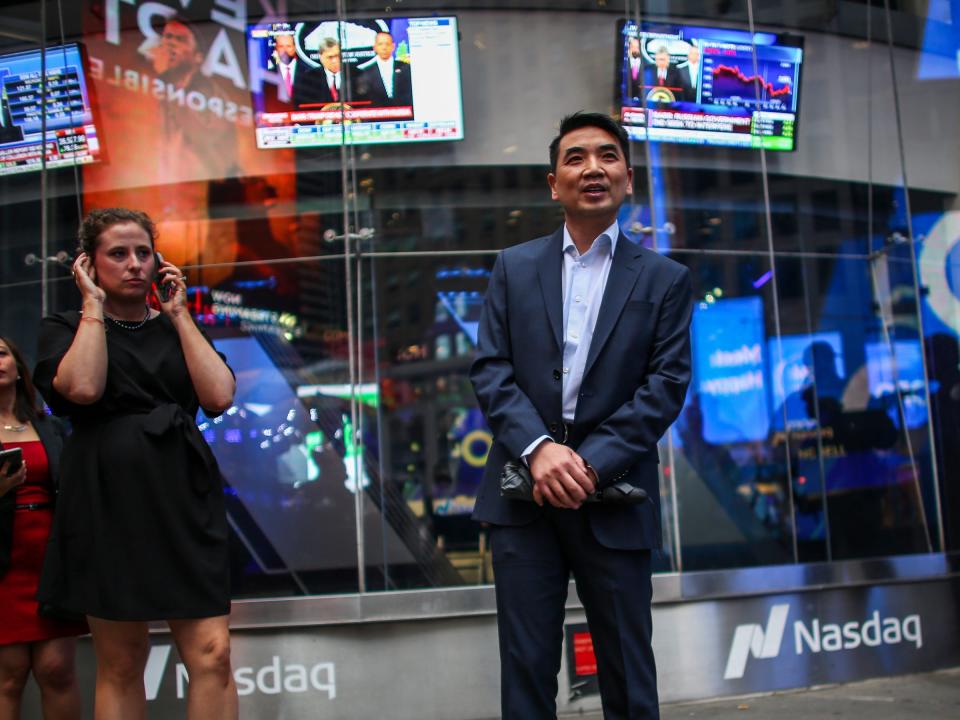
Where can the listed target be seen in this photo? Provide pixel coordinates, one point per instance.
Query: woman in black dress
(140, 531)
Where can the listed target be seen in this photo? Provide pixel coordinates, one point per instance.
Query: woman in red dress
(29, 642)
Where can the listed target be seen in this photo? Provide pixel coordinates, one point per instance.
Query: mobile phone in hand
(164, 290)
(13, 458)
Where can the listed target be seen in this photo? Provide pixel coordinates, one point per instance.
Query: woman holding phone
(29, 642)
(140, 533)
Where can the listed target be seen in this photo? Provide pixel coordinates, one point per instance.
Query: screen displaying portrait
(329, 82)
(71, 134)
(708, 86)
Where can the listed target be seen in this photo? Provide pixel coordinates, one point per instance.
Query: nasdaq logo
(817, 636)
(751, 639)
(275, 678)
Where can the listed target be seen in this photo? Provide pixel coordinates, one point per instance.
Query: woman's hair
(25, 405)
(97, 221)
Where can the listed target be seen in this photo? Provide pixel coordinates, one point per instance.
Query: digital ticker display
(708, 86)
(71, 135)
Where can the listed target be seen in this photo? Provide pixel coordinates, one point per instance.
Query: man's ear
(629, 181)
(552, 182)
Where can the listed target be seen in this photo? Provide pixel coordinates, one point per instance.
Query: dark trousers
(532, 566)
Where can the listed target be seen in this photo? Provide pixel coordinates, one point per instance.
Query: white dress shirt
(584, 280)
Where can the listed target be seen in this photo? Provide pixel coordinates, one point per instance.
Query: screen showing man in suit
(582, 363)
(666, 76)
(385, 81)
(375, 80)
(325, 84)
(633, 72)
(691, 73)
(285, 63)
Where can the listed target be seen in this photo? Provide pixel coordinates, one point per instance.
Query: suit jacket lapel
(550, 270)
(623, 276)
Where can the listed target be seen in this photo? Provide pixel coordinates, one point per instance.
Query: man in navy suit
(583, 361)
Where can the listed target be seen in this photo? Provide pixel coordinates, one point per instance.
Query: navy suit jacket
(634, 382)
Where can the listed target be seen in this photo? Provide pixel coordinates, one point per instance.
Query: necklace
(15, 428)
(129, 325)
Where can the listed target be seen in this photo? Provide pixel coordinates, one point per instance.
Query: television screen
(704, 86)
(325, 83)
(71, 135)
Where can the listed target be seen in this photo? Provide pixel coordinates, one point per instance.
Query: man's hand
(560, 476)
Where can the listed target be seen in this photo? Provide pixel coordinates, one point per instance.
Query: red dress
(18, 587)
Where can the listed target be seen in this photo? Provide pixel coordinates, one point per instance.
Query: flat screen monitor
(328, 82)
(708, 86)
(71, 134)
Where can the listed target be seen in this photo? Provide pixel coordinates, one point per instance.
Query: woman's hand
(11, 482)
(169, 276)
(85, 276)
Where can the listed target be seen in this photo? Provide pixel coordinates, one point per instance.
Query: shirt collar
(612, 234)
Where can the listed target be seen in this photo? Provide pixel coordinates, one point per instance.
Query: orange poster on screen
(171, 81)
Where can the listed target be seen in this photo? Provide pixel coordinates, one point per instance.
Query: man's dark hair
(583, 119)
(97, 221)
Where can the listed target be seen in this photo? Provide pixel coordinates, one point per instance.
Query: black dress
(140, 530)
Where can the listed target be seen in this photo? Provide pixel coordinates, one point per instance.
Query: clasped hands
(560, 476)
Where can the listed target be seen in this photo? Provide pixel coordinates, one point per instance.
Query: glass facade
(338, 236)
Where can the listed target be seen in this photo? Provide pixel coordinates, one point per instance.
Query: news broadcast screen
(704, 86)
(324, 83)
(71, 135)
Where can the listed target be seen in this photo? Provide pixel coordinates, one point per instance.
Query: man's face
(634, 48)
(283, 44)
(178, 49)
(693, 55)
(663, 59)
(383, 46)
(330, 59)
(592, 177)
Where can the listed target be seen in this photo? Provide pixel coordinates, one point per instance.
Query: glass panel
(259, 232)
(929, 222)
(419, 335)
(22, 265)
(452, 206)
(718, 101)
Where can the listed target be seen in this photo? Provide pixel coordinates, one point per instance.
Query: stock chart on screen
(71, 135)
(708, 86)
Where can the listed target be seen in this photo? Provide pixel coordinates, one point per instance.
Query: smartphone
(14, 456)
(164, 291)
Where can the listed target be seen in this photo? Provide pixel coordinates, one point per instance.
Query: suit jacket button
(553, 428)
(557, 375)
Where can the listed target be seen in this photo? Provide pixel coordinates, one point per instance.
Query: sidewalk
(931, 696)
